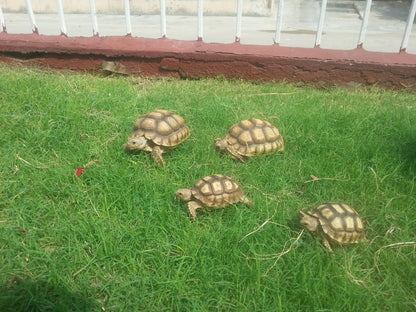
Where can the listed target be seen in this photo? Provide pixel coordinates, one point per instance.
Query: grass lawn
(116, 239)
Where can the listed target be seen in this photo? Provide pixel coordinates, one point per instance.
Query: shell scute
(218, 187)
(269, 147)
(245, 137)
(235, 131)
(270, 134)
(164, 128)
(247, 124)
(147, 124)
(260, 149)
(350, 224)
(258, 135)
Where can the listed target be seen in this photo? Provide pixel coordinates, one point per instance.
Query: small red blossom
(79, 171)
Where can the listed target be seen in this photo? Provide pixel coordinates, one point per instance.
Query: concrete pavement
(300, 18)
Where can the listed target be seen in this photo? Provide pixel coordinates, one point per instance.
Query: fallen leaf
(314, 178)
(92, 162)
(22, 230)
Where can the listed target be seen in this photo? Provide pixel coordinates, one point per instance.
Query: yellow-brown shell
(254, 137)
(217, 191)
(162, 127)
(339, 223)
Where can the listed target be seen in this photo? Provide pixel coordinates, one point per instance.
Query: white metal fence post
(163, 18)
(364, 24)
(128, 17)
(279, 22)
(61, 17)
(200, 19)
(31, 16)
(321, 23)
(409, 24)
(94, 18)
(239, 20)
(2, 22)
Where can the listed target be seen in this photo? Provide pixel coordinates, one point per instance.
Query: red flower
(79, 171)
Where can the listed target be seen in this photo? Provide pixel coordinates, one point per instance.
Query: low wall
(196, 59)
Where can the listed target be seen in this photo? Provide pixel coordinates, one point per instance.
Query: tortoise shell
(340, 223)
(162, 128)
(251, 138)
(217, 191)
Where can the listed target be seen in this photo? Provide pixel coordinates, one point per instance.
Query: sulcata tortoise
(212, 192)
(250, 138)
(157, 132)
(334, 223)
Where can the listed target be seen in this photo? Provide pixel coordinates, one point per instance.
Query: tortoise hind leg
(192, 207)
(246, 201)
(157, 155)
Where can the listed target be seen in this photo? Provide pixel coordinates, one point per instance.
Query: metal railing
(279, 15)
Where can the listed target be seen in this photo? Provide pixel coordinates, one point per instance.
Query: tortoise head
(221, 144)
(184, 194)
(308, 222)
(135, 143)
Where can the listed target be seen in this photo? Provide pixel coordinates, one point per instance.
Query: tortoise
(157, 132)
(250, 138)
(334, 223)
(110, 67)
(212, 192)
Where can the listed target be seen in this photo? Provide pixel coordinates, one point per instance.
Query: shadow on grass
(409, 152)
(27, 295)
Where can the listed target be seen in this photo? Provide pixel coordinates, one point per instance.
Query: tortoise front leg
(192, 207)
(234, 155)
(326, 244)
(157, 155)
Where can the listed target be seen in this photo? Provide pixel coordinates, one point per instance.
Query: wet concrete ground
(300, 19)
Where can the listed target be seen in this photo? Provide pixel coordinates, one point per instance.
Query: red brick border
(196, 59)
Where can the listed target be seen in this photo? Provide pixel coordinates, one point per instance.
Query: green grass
(116, 239)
